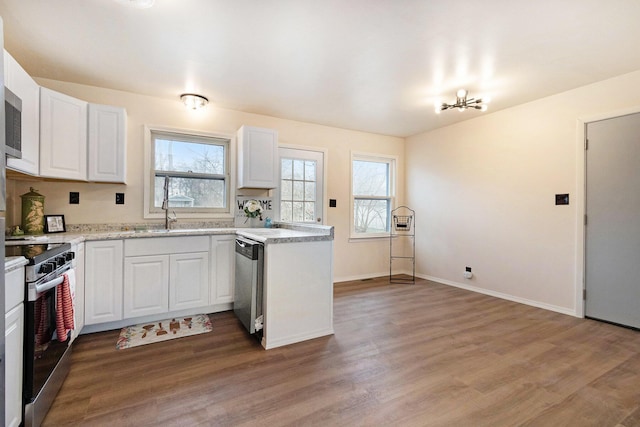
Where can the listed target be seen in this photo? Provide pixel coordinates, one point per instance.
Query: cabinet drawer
(14, 288)
(165, 245)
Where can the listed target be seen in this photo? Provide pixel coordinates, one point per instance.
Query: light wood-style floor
(402, 355)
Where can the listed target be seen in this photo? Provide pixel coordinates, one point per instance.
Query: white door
(301, 192)
(612, 247)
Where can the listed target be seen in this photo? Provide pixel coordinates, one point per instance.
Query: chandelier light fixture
(463, 102)
(193, 101)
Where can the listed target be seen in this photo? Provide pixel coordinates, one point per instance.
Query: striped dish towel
(64, 309)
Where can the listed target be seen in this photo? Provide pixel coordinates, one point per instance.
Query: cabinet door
(78, 307)
(103, 281)
(107, 143)
(63, 136)
(19, 82)
(257, 157)
(222, 269)
(146, 285)
(189, 280)
(13, 336)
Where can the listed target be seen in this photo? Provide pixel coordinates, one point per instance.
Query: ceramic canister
(33, 212)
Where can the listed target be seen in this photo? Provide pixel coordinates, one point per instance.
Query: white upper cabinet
(63, 136)
(20, 83)
(107, 143)
(257, 157)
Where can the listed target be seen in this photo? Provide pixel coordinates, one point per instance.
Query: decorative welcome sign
(241, 218)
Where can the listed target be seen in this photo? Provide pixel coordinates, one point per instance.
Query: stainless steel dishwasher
(248, 285)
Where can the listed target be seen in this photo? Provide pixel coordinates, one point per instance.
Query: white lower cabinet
(165, 274)
(13, 337)
(146, 285)
(151, 276)
(222, 254)
(189, 280)
(103, 281)
(78, 307)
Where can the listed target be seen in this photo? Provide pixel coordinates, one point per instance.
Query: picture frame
(54, 224)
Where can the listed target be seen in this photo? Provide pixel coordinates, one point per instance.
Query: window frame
(391, 161)
(229, 142)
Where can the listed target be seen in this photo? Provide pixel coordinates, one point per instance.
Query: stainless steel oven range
(46, 357)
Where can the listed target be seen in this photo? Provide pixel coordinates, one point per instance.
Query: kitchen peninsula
(146, 275)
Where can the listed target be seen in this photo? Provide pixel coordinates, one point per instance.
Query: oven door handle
(48, 285)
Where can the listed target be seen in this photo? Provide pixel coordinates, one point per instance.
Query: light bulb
(461, 93)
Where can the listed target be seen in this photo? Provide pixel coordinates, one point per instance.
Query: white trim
(501, 295)
(366, 276)
(292, 339)
(147, 214)
(392, 161)
(580, 198)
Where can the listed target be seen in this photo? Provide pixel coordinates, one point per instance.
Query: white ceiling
(370, 65)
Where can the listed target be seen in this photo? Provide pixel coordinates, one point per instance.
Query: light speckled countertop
(297, 233)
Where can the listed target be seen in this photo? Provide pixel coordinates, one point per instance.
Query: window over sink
(198, 170)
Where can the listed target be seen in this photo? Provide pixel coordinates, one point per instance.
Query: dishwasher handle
(247, 248)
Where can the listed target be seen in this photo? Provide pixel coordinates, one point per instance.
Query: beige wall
(484, 194)
(97, 201)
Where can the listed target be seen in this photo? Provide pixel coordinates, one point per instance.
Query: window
(196, 170)
(372, 189)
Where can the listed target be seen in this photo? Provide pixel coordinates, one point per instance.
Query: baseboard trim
(501, 295)
(268, 345)
(359, 277)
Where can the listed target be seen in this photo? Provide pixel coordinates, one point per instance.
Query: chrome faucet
(165, 206)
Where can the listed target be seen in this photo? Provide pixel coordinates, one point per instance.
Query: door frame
(325, 175)
(581, 198)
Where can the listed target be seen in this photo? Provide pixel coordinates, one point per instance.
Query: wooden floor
(402, 355)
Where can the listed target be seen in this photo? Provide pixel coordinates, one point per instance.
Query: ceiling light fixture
(194, 101)
(462, 103)
(138, 4)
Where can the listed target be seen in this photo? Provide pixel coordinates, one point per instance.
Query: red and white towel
(64, 308)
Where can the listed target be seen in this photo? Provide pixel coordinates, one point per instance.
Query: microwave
(13, 124)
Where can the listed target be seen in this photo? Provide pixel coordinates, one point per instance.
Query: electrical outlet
(74, 198)
(467, 273)
(119, 198)
(333, 203)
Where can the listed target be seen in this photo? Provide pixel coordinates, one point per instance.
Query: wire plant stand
(402, 246)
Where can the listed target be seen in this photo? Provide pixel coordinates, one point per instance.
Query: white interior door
(301, 194)
(612, 247)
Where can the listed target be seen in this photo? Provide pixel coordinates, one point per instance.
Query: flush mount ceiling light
(462, 103)
(138, 4)
(194, 101)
